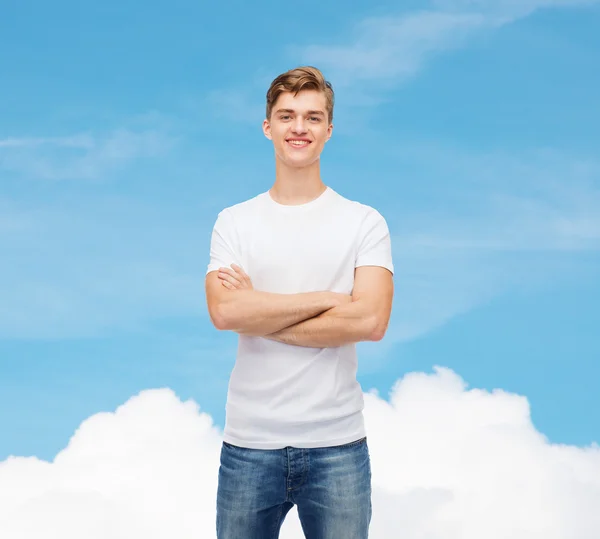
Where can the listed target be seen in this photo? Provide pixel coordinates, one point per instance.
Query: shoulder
(359, 210)
(242, 209)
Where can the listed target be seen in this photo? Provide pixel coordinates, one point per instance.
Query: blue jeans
(331, 487)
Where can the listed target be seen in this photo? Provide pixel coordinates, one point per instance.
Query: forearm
(255, 313)
(345, 324)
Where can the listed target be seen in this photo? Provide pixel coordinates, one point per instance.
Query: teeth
(298, 142)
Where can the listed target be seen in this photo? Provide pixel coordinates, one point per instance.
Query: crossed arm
(314, 319)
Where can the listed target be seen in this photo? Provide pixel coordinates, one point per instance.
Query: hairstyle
(296, 80)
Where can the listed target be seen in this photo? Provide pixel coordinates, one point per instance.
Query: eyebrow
(317, 112)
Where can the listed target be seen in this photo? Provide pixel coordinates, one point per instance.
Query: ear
(267, 129)
(329, 131)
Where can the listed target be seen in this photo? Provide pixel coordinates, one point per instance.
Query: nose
(299, 126)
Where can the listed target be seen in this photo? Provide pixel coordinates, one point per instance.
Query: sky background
(125, 127)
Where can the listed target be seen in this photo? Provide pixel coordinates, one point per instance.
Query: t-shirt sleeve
(222, 243)
(375, 246)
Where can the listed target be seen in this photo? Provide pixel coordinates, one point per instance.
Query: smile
(298, 143)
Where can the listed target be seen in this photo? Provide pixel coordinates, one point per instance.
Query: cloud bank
(448, 463)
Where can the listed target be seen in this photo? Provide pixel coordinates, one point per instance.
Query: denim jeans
(331, 487)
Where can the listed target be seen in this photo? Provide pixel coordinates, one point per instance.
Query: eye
(315, 119)
(285, 117)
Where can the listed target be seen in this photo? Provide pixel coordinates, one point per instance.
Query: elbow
(219, 318)
(377, 329)
(377, 335)
(219, 323)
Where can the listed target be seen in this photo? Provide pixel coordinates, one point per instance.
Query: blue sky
(126, 127)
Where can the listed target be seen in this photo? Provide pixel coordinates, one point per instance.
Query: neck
(295, 186)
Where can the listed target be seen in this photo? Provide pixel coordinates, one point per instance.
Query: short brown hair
(296, 80)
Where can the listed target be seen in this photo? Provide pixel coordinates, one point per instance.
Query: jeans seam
(277, 522)
(288, 482)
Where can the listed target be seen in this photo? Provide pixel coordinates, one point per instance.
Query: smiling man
(301, 274)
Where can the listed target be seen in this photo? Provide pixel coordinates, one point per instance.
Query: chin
(297, 161)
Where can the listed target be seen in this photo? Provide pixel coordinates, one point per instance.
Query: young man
(301, 274)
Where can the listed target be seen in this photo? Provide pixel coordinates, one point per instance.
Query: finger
(229, 278)
(241, 272)
(239, 269)
(232, 273)
(229, 271)
(228, 285)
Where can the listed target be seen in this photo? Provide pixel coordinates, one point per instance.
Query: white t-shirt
(279, 394)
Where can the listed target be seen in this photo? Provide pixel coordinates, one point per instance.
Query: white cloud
(448, 463)
(146, 471)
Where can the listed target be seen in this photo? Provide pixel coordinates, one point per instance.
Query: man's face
(299, 127)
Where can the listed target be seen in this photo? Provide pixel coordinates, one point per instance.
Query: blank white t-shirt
(285, 395)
